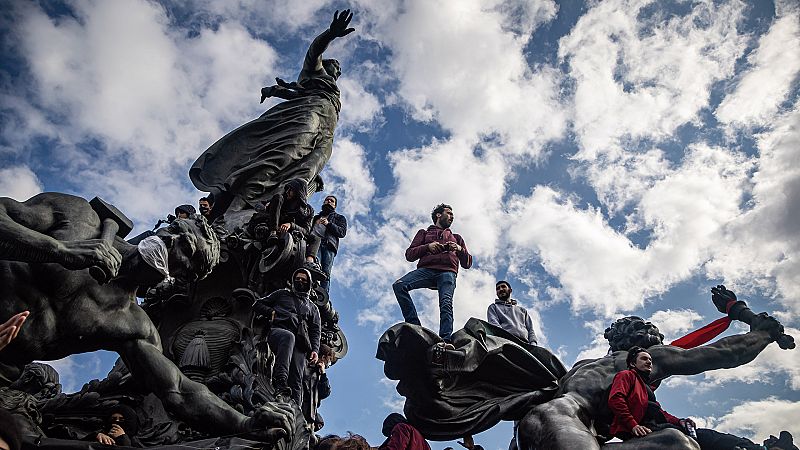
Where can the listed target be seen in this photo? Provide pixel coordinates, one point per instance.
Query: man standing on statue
(439, 252)
(330, 226)
(508, 315)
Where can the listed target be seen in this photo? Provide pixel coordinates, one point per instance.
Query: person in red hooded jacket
(400, 435)
(439, 252)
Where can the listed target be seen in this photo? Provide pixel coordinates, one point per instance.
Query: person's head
(301, 281)
(632, 331)
(332, 68)
(326, 354)
(353, 442)
(328, 442)
(295, 190)
(184, 211)
(391, 421)
(192, 246)
(503, 290)
(442, 215)
(125, 417)
(10, 434)
(204, 205)
(639, 359)
(330, 201)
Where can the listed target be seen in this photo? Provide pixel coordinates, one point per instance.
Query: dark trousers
(326, 256)
(289, 362)
(707, 438)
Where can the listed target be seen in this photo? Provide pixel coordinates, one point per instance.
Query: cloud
(673, 324)
(350, 178)
(74, 371)
(758, 419)
(19, 183)
(643, 75)
(774, 65)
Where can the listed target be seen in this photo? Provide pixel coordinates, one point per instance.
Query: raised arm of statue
(23, 228)
(312, 65)
(726, 353)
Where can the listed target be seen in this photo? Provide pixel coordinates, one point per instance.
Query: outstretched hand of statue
(340, 23)
(276, 418)
(78, 255)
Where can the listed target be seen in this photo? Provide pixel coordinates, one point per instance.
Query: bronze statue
(293, 139)
(578, 416)
(46, 246)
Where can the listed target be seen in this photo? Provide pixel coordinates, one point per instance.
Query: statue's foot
(783, 442)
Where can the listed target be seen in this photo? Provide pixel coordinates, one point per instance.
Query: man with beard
(508, 315)
(330, 226)
(439, 252)
(47, 245)
(637, 413)
(578, 416)
(205, 205)
(294, 335)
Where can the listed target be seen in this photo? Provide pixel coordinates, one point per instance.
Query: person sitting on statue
(288, 212)
(120, 428)
(439, 252)
(400, 435)
(294, 336)
(184, 211)
(330, 226)
(578, 417)
(46, 243)
(508, 315)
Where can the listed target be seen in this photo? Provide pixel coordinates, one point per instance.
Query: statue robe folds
(293, 139)
(491, 376)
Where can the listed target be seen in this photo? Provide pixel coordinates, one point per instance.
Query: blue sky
(609, 158)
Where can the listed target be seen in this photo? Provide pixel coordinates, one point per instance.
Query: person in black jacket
(294, 335)
(330, 226)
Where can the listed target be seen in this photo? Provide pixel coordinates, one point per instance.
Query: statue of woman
(292, 140)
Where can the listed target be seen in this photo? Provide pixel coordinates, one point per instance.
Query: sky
(607, 158)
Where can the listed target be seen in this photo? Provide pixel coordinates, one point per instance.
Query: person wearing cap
(507, 314)
(184, 211)
(294, 336)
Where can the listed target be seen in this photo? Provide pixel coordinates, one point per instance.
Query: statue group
(195, 362)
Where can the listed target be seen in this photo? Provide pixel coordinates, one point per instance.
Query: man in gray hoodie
(508, 315)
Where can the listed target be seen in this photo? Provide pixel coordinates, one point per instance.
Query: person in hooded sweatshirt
(400, 435)
(294, 336)
(508, 315)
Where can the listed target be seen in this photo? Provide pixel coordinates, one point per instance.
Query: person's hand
(10, 329)
(340, 22)
(78, 255)
(105, 439)
(468, 442)
(323, 220)
(453, 246)
(685, 423)
(321, 367)
(313, 358)
(640, 430)
(435, 247)
(116, 431)
(284, 227)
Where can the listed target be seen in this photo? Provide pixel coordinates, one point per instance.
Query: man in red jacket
(637, 413)
(400, 435)
(439, 252)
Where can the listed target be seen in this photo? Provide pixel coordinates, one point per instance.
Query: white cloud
(19, 183)
(643, 76)
(75, 370)
(774, 66)
(673, 324)
(351, 179)
(758, 419)
(762, 247)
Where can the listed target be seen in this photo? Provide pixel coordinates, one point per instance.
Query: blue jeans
(326, 256)
(443, 280)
